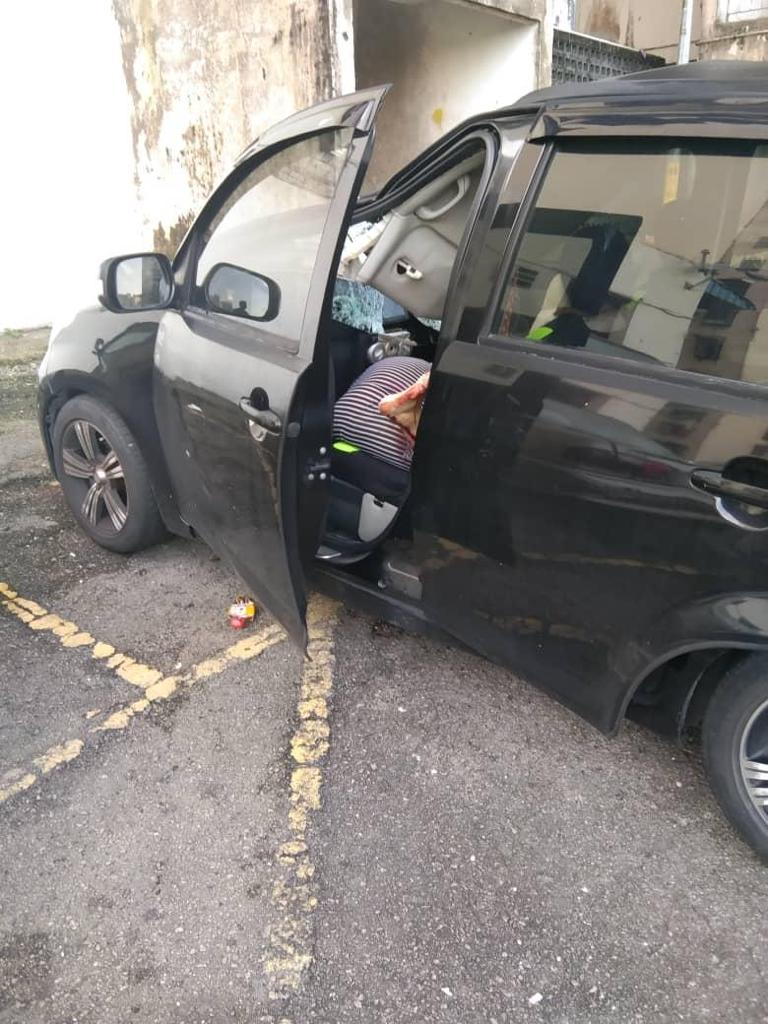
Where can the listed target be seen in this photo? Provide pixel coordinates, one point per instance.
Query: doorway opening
(393, 283)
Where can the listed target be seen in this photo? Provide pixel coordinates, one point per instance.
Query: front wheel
(735, 739)
(104, 476)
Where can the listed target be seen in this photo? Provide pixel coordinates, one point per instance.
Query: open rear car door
(241, 385)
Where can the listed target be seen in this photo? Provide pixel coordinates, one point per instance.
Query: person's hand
(405, 407)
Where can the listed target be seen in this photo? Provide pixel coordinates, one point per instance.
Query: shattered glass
(358, 305)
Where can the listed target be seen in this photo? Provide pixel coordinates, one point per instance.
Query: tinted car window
(271, 226)
(651, 251)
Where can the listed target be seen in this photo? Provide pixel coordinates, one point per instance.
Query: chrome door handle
(714, 483)
(264, 417)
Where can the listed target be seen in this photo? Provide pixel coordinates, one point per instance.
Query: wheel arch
(60, 388)
(678, 664)
(672, 698)
(55, 393)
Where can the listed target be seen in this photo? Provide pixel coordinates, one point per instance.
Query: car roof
(702, 82)
(724, 87)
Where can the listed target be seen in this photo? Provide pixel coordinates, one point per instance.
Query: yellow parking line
(70, 635)
(290, 940)
(295, 894)
(155, 687)
(245, 649)
(58, 755)
(15, 781)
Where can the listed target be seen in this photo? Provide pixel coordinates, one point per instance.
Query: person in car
(378, 414)
(405, 407)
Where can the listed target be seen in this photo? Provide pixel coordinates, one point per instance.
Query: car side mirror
(239, 292)
(140, 281)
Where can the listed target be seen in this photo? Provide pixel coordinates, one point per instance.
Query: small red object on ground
(242, 612)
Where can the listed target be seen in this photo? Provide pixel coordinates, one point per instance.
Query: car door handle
(714, 483)
(264, 417)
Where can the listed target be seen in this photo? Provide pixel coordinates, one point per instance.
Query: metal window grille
(578, 58)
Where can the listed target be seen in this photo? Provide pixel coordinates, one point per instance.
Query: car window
(653, 251)
(270, 228)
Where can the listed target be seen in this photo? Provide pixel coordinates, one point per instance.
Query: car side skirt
(635, 662)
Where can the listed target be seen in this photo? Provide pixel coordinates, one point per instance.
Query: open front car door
(241, 386)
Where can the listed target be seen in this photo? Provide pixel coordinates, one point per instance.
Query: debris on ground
(242, 612)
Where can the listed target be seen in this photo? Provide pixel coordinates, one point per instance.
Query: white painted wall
(447, 61)
(67, 197)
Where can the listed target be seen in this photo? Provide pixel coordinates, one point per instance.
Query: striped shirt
(356, 416)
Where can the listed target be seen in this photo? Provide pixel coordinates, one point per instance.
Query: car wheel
(104, 476)
(735, 738)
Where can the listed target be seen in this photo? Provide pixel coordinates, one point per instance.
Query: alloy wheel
(754, 759)
(87, 456)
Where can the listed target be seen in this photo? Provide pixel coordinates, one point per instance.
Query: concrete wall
(131, 111)
(206, 78)
(447, 61)
(643, 24)
(120, 117)
(655, 25)
(735, 40)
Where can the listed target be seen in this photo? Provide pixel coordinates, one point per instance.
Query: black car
(586, 272)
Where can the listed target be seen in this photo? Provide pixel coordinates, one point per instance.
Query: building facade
(154, 99)
(205, 79)
(722, 29)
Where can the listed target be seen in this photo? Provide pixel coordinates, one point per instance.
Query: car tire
(735, 741)
(104, 477)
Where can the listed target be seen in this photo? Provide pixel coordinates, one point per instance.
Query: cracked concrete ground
(477, 846)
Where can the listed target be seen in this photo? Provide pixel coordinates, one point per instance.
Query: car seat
(366, 494)
(348, 351)
(588, 290)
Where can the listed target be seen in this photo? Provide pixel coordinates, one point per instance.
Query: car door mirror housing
(238, 292)
(139, 281)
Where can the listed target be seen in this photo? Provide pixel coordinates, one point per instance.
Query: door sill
(373, 599)
(399, 576)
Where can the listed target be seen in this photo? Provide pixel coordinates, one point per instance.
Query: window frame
(540, 154)
(191, 251)
(580, 357)
(505, 169)
(725, 17)
(492, 141)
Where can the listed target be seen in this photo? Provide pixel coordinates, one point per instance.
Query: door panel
(554, 517)
(583, 481)
(243, 405)
(226, 483)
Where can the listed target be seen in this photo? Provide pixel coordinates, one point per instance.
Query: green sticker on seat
(539, 333)
(345, 447)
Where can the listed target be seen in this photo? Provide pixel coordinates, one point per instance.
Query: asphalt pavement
(200, 826)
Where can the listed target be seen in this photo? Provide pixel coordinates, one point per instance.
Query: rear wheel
(104, 476)
(735, 737)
